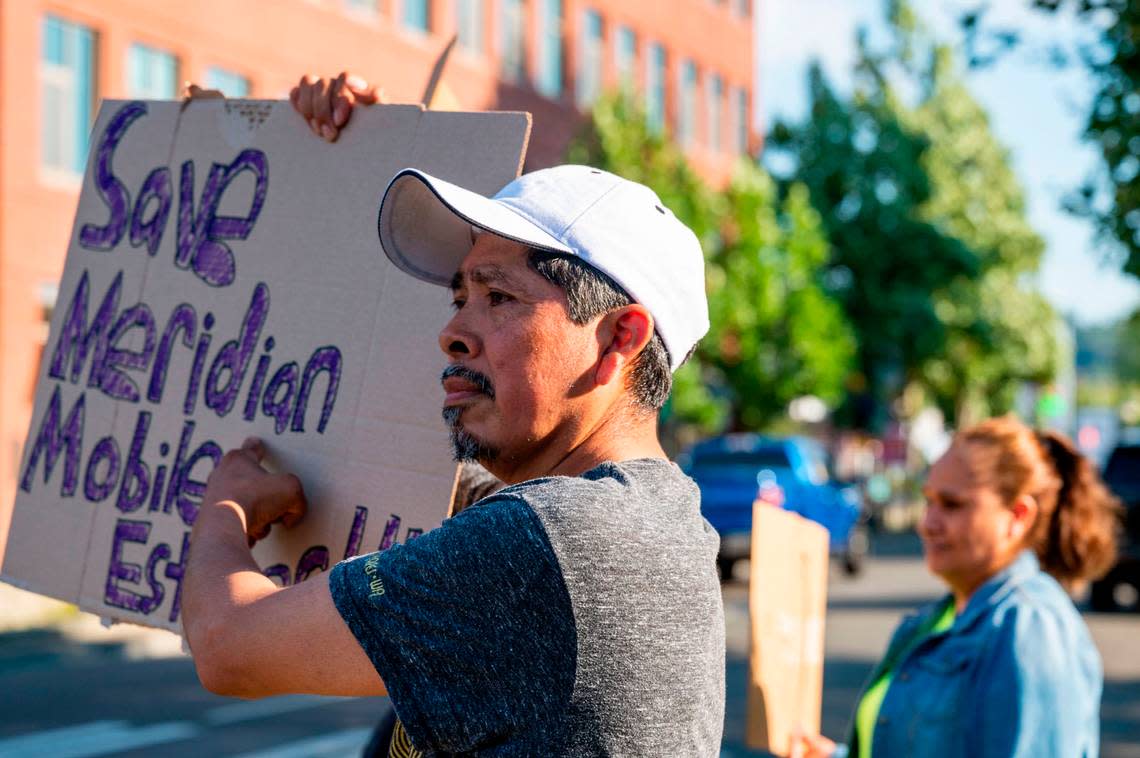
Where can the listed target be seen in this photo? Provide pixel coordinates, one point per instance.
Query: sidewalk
(34, 625)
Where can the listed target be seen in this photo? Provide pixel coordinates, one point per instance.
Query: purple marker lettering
(120, 571)
(356, 533)
(280, 408)
(52, 438)
(156, 188)
(314, 559)
(191, 225)
(95, 490)
(190, 496)
(112, 191)
(156, 490)
(136, 474)
(199, 364)
(174, 488)
(160, 553)
(258, 381)
(234, 357)
(201, 235)
(184, 319)
(104, 367)
(76, 339)
(323, 359)
(175, 571)
(278, 572)
(391, 529)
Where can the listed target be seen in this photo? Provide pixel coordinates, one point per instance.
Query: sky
(1036, 111)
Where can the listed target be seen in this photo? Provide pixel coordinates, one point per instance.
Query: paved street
(81, 694)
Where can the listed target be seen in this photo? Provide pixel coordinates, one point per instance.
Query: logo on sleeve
(372, 571)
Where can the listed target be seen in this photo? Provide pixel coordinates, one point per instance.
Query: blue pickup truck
(730, 469)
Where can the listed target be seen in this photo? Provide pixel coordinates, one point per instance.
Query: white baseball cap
(617, 226)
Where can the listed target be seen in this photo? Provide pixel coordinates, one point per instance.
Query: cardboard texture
(787, 602)
(224, 279)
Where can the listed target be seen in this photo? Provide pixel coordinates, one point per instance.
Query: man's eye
(458, 303)
(497, 298)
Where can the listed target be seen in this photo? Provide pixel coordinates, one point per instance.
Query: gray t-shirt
(560, 616)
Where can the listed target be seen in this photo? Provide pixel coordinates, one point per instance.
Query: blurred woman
(1003, 665)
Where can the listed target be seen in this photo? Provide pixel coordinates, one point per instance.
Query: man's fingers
(321, 109)
(255, 446)
(365, 93)
(305, 97)
(290, 519)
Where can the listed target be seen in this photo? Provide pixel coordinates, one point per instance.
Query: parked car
(733, 469)
(1120, 588)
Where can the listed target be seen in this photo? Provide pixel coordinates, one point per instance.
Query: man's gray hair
(590, 293)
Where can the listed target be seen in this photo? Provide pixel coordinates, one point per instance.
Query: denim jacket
(1016, 675)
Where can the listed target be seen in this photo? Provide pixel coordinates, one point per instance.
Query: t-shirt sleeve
(470, 627)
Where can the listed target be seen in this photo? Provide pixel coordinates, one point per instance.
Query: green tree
(1111, 198)
(1128, 349)
(999, 332)
(775, 332)
(864, 169)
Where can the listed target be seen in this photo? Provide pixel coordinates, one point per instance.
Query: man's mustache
(482, 383)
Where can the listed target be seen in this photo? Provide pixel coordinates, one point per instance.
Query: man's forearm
(221, 578)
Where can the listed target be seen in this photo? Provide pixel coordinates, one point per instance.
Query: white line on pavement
(255, 709)
(95, 738)
(336, 745)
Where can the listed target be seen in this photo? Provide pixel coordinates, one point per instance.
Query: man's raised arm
(249, 637)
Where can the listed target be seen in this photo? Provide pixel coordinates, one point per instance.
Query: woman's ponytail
(1075, 540)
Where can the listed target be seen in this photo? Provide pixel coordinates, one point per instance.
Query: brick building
(691, 61)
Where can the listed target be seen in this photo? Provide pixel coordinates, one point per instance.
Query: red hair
(1075, 532)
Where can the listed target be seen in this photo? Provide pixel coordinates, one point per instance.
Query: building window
(715, 94)
(231, 84)
(469, 22)
(67, 79)
(686, 103)
(366, 8)
(655, 88)
(152, 74)
(416, 15)
(549, 81)
(590, 48)
(740, 116)
(512, 55)
(625, 57)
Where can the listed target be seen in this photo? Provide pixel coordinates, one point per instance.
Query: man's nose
(457, 341)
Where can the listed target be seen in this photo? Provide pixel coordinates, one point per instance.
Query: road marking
(336, 745)
(96, 738)
(232, 713)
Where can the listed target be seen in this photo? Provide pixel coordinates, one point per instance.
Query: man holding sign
(575, 612)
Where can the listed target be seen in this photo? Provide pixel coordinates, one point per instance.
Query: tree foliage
(864, 170)
(1000, 333)
(931, 244)
(1111, 198)
(775, 334)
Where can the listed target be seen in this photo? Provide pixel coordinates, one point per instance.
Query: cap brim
(425, 225)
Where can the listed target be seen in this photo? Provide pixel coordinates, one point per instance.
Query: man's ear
(622, 335)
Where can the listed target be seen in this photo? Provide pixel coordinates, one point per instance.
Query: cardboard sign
(787, 603)
(225, 279)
